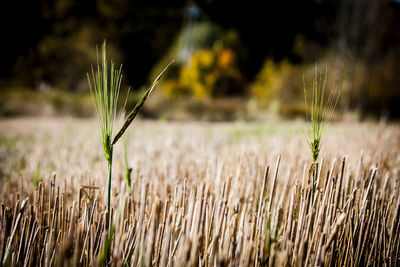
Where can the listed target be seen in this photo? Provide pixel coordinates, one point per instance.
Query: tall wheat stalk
(104, 85)
(318, 115)
(104, 88)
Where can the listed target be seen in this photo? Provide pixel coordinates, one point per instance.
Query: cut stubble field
(202, 194)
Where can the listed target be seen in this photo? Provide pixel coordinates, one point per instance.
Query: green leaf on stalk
(138, 106)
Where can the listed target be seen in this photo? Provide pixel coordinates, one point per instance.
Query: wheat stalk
(321, 111)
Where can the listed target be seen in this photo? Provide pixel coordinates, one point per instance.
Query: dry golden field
(203, 194)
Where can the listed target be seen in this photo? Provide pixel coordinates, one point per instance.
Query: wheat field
(203, 194)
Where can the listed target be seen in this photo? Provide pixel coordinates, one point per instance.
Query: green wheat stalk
(318, 115)
(128, 170)
(104, 85)
(138, 106)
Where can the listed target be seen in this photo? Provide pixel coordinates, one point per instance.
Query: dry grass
(202, 194)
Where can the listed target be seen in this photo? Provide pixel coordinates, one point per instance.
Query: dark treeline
(52, 42)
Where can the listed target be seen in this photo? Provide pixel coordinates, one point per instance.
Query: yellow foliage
(203, 59)
(226, 58)
(271, 80)
(205, 74)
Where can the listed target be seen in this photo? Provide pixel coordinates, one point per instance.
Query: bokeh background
(235, 60)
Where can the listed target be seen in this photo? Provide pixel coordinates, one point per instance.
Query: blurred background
(235, 60)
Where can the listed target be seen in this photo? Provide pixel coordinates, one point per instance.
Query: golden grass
(202, 194)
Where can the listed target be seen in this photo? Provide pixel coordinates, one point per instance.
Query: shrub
(209, 73)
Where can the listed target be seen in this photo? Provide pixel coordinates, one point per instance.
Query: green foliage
(138, 106)
(319, 115)
(106, 251)
(36, 177)
(320, 111)
(105, 87)
(22, 163)
(7, 142)
(128, 170)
